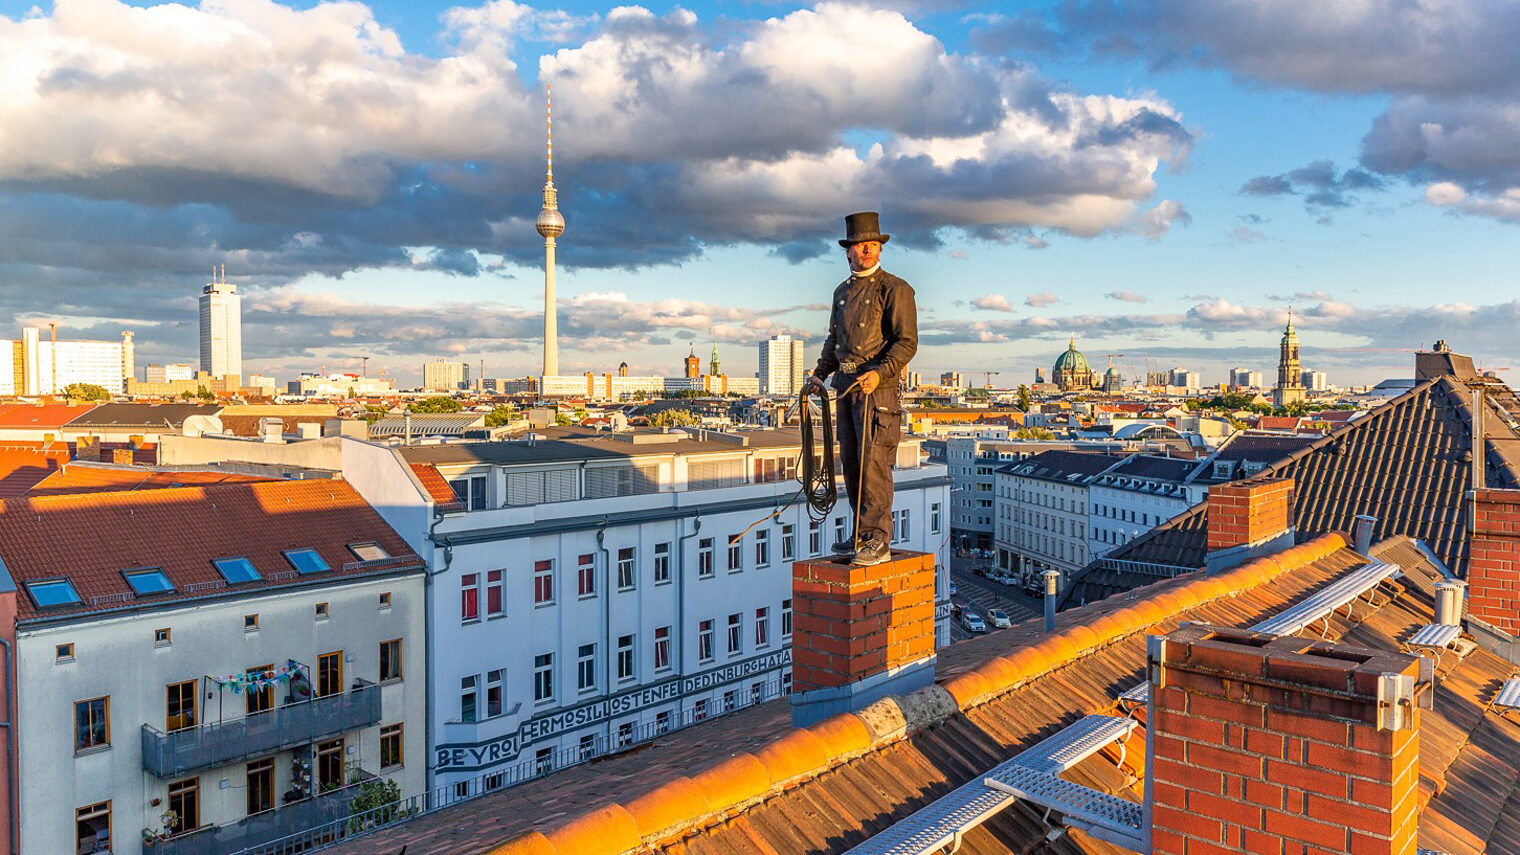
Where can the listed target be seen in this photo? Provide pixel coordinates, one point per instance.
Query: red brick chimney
(860, 633)
(1248, 517)
(1260, 743)
(1493, 564)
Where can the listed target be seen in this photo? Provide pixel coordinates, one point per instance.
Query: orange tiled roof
(84, 478)
(23, 465)
(181, 530)
(437, 486)
(827, 787)
(41, 416)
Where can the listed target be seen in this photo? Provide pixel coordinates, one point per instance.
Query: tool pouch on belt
(886, 420)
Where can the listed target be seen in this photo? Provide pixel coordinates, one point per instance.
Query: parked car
(953, 589)
(999, 618)
(973, 622)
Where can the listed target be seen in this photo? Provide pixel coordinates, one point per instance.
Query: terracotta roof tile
(22, 466)
(85, 478)
(41, 416)
(181, 530)
(436, 485)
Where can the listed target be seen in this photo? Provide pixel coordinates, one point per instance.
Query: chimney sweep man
(873, 332)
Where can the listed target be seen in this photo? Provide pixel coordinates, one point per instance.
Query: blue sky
(1161, 180)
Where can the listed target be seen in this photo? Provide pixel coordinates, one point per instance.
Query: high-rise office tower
(221, 327)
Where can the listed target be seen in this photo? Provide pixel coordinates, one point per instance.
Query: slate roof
(91, 538)
(156, 416)
(1149, 466)
(1064, 466)
(1407, 463)
(735, 787)
(600, 446)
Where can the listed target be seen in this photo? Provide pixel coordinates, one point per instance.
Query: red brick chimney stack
(1493, 566)
(1261, 743)
(1249, 512)
(860, 633)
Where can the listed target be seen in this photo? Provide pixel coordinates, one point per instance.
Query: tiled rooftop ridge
(688, 804)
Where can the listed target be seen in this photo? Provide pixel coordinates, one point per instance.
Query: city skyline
(1163, 196)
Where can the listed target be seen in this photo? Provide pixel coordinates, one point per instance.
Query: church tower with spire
(551, 224)
(715, 368)
(1290, 381)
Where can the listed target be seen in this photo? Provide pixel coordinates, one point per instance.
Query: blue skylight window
(236, 570)
(52, 593)
(306, 560)
(149, 581)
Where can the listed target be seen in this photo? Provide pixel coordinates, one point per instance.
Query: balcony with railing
(322, 811)
(171, 755)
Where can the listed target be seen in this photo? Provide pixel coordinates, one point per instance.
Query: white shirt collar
(861, 274)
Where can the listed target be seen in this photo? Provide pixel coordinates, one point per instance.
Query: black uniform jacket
(873, 326)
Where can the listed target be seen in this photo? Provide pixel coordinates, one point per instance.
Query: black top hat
(861, 227)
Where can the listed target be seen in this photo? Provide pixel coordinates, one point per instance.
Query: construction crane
(987, 378)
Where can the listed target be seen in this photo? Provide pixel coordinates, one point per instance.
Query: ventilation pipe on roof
(1361, 533)
(1052, 589)
(406, 435)
(1479, 458)
(1449, 601)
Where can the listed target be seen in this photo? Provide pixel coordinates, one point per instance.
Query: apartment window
(662, 722)
(92, 828)
(730, 700)
(786, 618)
(736, 553)
(543, 759)
(585, 576)
(543, 677)
(625, 734)
(494, 681)
(469, 698)
(661, 563)
(587, 746)
(185, 802)
(321, 611)
(934, 517)
(699, 710)
(390, 746)
(496, 604)
(259, 697)
(385, 600)
(260, 785)
(469, 596)
(64, 652)
(756, 692)
(625, 569)
(762, 627)
(705, 641)
(390, 660)
(788, 543)
(543, 582)
(661, 648)
(330, 764)
(161, 637)
(762, 548)
(585, 668)
(815, 538)
(839, 529)
(251, 622)
(735, 628)
(705, 558)
(179, 705)
(329, 673)
(471, 492)
(625, 657)
(902, 525)
(92, 723)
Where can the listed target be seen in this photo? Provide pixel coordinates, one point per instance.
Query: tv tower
(551, 225)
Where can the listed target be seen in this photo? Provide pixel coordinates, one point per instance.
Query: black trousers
(874, 420)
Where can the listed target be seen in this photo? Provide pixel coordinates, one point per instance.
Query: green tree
(1023, 397)
(1034, 433)
(562, 420)
(86, 392)
(673, 418)
(376, 802)
(187, 395)
(435, 405)
(204, 394)
(373, 413)
(502, 415)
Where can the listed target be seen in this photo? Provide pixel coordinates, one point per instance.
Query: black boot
(845, 548)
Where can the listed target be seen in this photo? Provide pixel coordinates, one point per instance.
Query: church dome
(1072, 361)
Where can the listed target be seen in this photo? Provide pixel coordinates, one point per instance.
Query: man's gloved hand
(868, 381)
(813, 386)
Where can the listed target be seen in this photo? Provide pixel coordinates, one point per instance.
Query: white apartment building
(1138, 494)
(227, 668)
(441, 376)
(341, 385)
(172, 372)
(1315, 381)
(587, 594)
(221, 329)
(35, 365)
(1245, 378)
(1045, 525)
(783, 365)
(593, 594)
